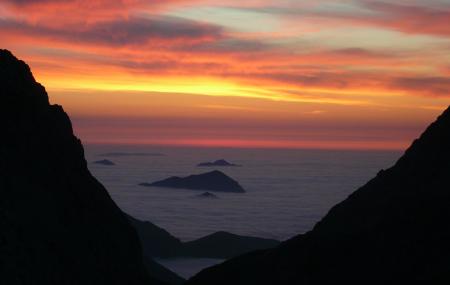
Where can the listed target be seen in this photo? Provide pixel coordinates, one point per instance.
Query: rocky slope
(393, 230)
(58, 224)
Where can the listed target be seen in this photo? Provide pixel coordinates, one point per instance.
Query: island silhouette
(104, 162)
(211, 181)
(207, 195)
(219, 162)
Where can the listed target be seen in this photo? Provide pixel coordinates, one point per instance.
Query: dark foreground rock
(157, 242)
(211, 181)
(105, 162)
(220, 162)
(393, 230)
(58, 225)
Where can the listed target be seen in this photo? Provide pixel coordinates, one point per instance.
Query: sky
(356, 74)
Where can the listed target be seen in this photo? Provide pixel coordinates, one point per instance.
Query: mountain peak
(430, 151)
(19, 88)
(6, 53)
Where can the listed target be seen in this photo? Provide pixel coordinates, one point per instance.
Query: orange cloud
(411, 19)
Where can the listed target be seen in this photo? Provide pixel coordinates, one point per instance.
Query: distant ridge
(393, 230)
(157, 242)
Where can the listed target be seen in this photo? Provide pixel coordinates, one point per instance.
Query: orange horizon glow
(266, 74)
(243, 144)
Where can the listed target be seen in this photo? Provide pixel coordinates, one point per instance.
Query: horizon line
(249, 146)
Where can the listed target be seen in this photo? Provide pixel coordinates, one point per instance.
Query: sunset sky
(296, 74)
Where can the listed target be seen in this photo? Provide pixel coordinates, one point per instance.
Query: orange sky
(317, 74)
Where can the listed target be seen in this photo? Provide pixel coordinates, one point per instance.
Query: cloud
(120, 36)
(67, 13)
(140, 30)
(375, 82)
(412, 19)
(434, 86)
(408, 17)
(71, 2)
(86, 5)
(131, 31)
(228, 45)
(359, 52)
(32, 2)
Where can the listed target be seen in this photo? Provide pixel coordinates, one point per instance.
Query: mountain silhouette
(225, 245)
(158, 242)
(393, 230)
(58, 225)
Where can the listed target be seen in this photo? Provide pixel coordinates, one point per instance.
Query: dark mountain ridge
(58, 224)
(225, 245)
(393, 230)
(158, 242)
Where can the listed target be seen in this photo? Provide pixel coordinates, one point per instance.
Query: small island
(115, 154)
(210, 181)
(207, 195)
(220, 162)
(104, 162)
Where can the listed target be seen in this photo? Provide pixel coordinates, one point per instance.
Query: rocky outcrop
(393, 230)
(58, 225)
(211, 181)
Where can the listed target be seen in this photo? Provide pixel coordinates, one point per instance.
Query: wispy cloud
(130, 31)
